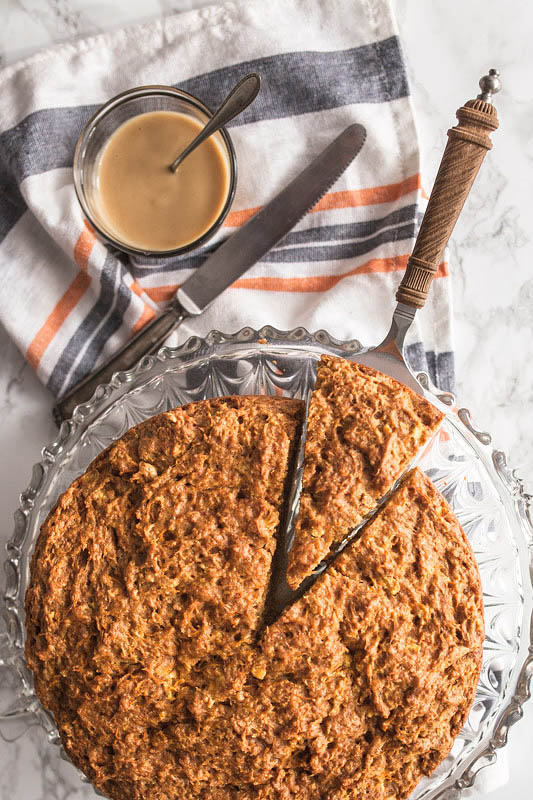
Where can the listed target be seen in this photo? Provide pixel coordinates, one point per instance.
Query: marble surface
(447, 44)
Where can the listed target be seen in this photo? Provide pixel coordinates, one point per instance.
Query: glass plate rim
(27, 707)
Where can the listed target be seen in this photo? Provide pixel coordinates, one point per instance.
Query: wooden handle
(467, 144)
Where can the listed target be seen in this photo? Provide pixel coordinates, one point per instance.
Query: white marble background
(448, 44)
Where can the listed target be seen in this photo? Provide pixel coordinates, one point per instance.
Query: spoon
(237, 100)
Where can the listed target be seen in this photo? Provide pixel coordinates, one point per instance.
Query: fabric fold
(69, 302)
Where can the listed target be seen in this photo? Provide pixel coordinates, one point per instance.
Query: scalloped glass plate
(486, 495)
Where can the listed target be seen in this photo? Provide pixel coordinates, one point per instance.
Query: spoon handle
(236, 101)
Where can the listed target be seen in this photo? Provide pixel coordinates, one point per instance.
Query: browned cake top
(364, 428)
(154, 560)
(143, 617)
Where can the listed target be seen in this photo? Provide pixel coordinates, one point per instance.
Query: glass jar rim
(138, 92)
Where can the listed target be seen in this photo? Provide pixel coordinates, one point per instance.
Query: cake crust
(364, 429)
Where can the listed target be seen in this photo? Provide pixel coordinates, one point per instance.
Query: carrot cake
(146, 634)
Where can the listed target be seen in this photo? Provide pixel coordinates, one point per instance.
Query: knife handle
(467, 145)
(148, 340)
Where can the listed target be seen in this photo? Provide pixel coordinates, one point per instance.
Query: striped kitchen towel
(69, 303)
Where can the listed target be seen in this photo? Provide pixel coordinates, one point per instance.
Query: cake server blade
(229, 261)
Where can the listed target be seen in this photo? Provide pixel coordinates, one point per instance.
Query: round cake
(146, 627)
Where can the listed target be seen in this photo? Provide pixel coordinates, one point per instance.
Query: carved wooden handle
(467, 144)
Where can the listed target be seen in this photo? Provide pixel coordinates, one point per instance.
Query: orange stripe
(316, 283)
(147, 315)
(161, 294)
(84, 247)
(76, 290)
(321, 283)
(346, 199)
(237, 218)
(368, 197)
(136, 288)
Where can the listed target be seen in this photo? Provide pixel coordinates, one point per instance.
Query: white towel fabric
(69, 303)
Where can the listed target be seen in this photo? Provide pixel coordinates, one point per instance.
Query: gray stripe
(416, 356)
(12, 204)
(122, 299)
(439, 366)
(337, 252)
(315, 237)
(311, 253)
(351, 230)
(45, 139)
(303, 81)
(87, 328)
(444, 371)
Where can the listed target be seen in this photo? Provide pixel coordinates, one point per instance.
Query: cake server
(465, 150)
(467, 145)
(229, 261)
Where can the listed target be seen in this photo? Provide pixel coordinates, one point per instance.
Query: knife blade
(228, 262)
(266, 228)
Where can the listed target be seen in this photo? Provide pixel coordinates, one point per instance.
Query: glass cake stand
(484, 492)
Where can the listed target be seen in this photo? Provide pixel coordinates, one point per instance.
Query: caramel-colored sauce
(145, 205)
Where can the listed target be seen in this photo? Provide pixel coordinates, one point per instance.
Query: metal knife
(229, 261)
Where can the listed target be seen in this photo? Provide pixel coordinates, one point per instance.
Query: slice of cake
(364, 429)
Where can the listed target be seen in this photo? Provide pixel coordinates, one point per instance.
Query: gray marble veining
(448, 45)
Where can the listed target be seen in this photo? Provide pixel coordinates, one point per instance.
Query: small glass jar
(103, 125)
